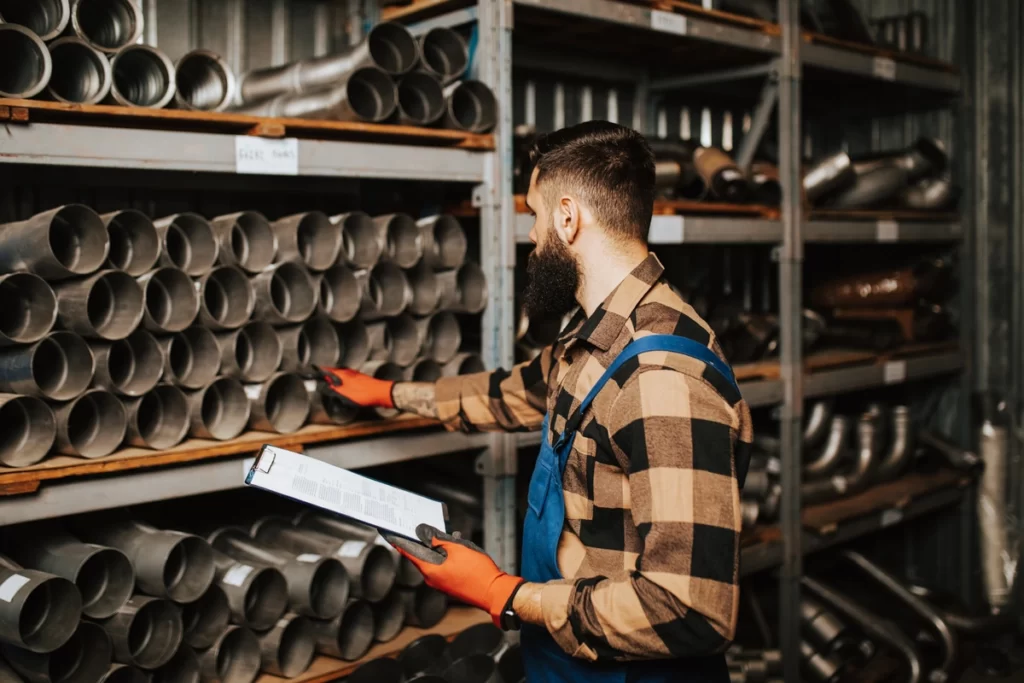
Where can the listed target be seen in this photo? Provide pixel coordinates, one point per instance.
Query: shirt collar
(603, 327)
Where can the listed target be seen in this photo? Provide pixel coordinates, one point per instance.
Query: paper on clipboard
(338, 490)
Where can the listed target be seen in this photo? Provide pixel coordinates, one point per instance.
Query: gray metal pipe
(463, 290)
(388, 617)
(246, 240)
(482, 639)
(191, 357)
(367, 94)
(833, 452)
(379, 340)
(84, 658)
(257, 593)
(226, 298)
(314, 342)
(327, 409)
(159, 420)
(90, 426)
(953, 454)
(251, 353)
(188, 243)
(901, 449)
(405, 340)
(817, 424)
(203, 620)
(122, 673)
(385, 291)
(58, 367)
(425, 289)
(473, 669)
(61, 243)
(46, 18)
(28, 65)
(279, 404)
(183, 667)
(757, 484)
(425, 607)
(81, 73)
(361, 242)
(288, 648)
(28, 429)
(820, 626)
(423, 370)
(863, 472)
(443, 54)
(830, 175)
(465, 363)
(930, 194)
(440, 335)
(108, 25)
(307, 237)
(284, 294)
(339, 293)
(107, 305)
(425, 656)
(129, 367)
(387, 371)
(171, 300)
(421, 100)
(143, 77)
(204, 81)
(219, 411)
(134, 242)
(234, 658)
(403, 241)
(347, 636)
(444, 241)
(146, 631)
(355, 343)
(42, 610)
(470, 106)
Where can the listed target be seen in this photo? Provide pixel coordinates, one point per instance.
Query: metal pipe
(122, 673)
(280, 404)
(347, 636)
(108, 305)
(757, 484)
(143, 77)
(307, 237)
(930, 194)
(388, 617)
(42, 611)
(146, 631)
(284, 294)
(674, 170)
(425, 656)
(901, 447)
(84, 658)
(387, 371)
(314, 342)
(822, 668)
(440, 335)
(361, 242)
(473, 669)
(246, 240)
(226, 298)
(28, 65)
(257, 594)
(405, 340)
(817, 424)
(328, 409)
(81, 73)
(219, 411)
(28, 308)
(421, 100)
(158, 420)
(403, 241)
(188, 243)
(134, 242)
(171, 300)
(288, 648)
(28, 429)
(380, 670)
(204, 81)
(423, 370)
(863, 472)
(183, 667)
(103, 576)
(46, 18)
(129, 367)
(191, 357)
(91, 425)
(168, 564)
(355, 344)
(973, 625)
(470, 106)
(463, 290)
(830, 175)
(251, 353)
(206, 618)
(379, 340)
(65, 242)
(750, 512)
(833, 452)
(955, 456)
(366, 94)
(721, 174)
(424, 606)
(385, 291)
(234, 658)
(872, 188)
(482, 639)
(424, 288)
(443, 54)
(444, 241)
(465, 363)
(339, 293)
(107, 25)
(58, 367)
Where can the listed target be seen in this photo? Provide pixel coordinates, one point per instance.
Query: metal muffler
(134, 242)
(339, 294)
(65, 242)
(84, 658)
(473, 669)
(361, 242)
(830, 175)
(314, 342)
(143, 77)
(108, 25)
(226, 298)
(444, 241)
(385, 291)
(251, 353)
(420, 100)
(443, 54)
(108, 305)
(405, 340)
(307, 237)
(328, 409)
(408, 575)
(280, 404)
(234, 658)
(367, 94)
(42, 610)
(58, 367)
(424, 289)
(168, 564)
(203, 620)
(482, 639)
(146, 631)
(440, 336)
(465, 363)
(81, 73)
(91, 425)
(387, 371)
(284, 294)
(425, 656)
(130, 367)
(219, 411)
(463, 290)
(28, 429)
(355, 343)
(204, 81)
(188, 243)
(470, 106)
(246, 240)
(122, 673)
(347, 636)
(424, 606)
(388, 617)
(288, 648)
(28, 308)
(191, 358)
(28, 65)
(171, 300)
(423, 370)
(403, 242)
(46, 18)
(257, 594)
(158, 420)
(183, 667)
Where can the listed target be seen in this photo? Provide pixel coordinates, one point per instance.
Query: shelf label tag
(887, 231)
(667, 230)
(884, 68)
(263, 156)
(350, 549)
(10, 587)
(894, 372)
(891, 516)
(668, 22)
(237, 575)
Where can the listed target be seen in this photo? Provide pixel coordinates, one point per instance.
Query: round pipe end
(421, 99)
(143, 77)
(159, 419)
(188, 243)
(203, 620)
(105, 581)
(360, 239)
(134, 243)
(28, 67)
(46, 18)
(472, 107)
(204, 81)
(226, 298)
(247, 241)
(191, 358)
(28, 308)
(221, 410)
(339, 294)
(392, 48)
(171, 300)
(371, 95)
(92, 425)
(443, 54)
(81, 73)
(107, 25)
(28, 429)
(355, 634)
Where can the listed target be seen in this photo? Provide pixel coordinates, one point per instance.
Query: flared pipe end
(59, 367)
(370, 95)
(234, 657)
(134, 242)
(188, 243)
(174, 565)
(28, 429)
(318, 586)
(46, 18)
(43, 612)
(252, 353)
(108, 26)
(280, 404)
(143, 77)
(226, 298)
(129, 367)
(171, 300)
(29, 66)
(285, 294)
(220, 411)
(288, 649)
(159, 419)
(109, 305)
(204, 81)
(308, 237)
(28, 308)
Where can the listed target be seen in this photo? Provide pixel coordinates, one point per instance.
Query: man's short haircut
(609, 166)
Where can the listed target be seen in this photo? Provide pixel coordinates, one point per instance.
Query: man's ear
(568, 218)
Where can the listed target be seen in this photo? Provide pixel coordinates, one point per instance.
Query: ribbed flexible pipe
(81, 73)
(28, 65)
(91, 425)
(61, 243)
(219, 411)
(129, 367)
(187, 242)
(28, 429)
(143, 77)
(58, 367)
(280, 404)
(204, 81)
(226, 298)
(246, 240)
(307, 237)
(28, 308)
(46, 18)
(251, 353)
(134, 242)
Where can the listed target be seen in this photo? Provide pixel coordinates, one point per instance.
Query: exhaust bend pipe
(284, 294)
(143, 77)
(972, 625)
(246, 240)
(129, 367)
(28, 429)
(191, 358)
(183, 667)
(251, 353)
(347, 636)
(81, 73)
(234, 657)
(69, 241)
(188, 243)
(85, 657)
(930, 194)
(402, 239)
(226, 298)
(833, 452)
(46, 18)
(107, 25)
(307, 237)
(830, 175)
(956, 457)
(257, 594)
(134, 242)
(158, 618)
(205, 619)
(43, 611)
(444, 241)
(108, 305)
(863, 472)
(58, 367)
(443, 54)
(425, 289)
(90, 426)
(28, 309)
(465, 363)
(314, 342)
(287, 650)
(361, 242)
(280, 404)
(30, 66)
(405, 340)
(470, 106)
(204, 81)
(219, 411)
(440, 336)
(367, 94)
(817, 423)
(901, 449)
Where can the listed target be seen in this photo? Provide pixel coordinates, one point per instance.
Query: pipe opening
(448, 246)
(297, 648)
(257, 351)
(420, 99)
(291, 292)
(472, 107)
(426, 655)
(108, 24)
(134, 244)
(46, 18)
(189, 244)
(228, 297)
(204, 620)
(154, 634)
(405, 340)
(392, 48)
(430, 606)
(27, 64)
(67, 659)
(359, 241)
(188, 570)
(378, 575)
(355, 344)
(77, 238)
(339, 294)
(484, 639)
(389, 286)
(225, 409)
(251, 241)
(328, 589)
(404, 241)
(266, 599)
(182, 668)
(143, 77)
(27, 308)
(49, 615)
(317, 240)
(170, 300)
(355, 634)
(62, 366)
(204, 81)
(287, 403)
(238, 657)
(388, 617)
(444, 337)
(371, 95)
(472, 288)
(95, 424)
(444, 53)
(193, 357)
(106, 581)
(321, 340)
(162, 418)
(81, 75)
(135, 364)
(27, 431)
(426, 371)
(471, 669)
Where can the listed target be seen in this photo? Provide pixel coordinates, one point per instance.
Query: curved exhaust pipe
(108, 305)
(863, 472)
(425, 656)
(361, 242)
(134, 242)
(191, 358)
(834, 450)
(355, 344)
(901, 448)
(84, 658)
(424, 288)
(284, 294)
(325, 409)
(183, 667)
(423, 370)
(29, 429)
(204, 81)
(443, 54)
(226, 298)
(219, 411)
(465, 363)
(158, 619)
(234, 657)
(387, 371)
(425, 607)
(143, 77)
(367, 94)
(61, 243)
(251, 353)
(280, 404)
(90, 426)
(46, 18)
(403, 243)
(107, 25)
(339, 294)
(58, 367)
(444, 241)
(385, 291)
(123, 673)
(721, 174)
(43, 611)
(440, 336)
(347, 636)
(405, 340)
(129, 367)
(257, 595)
(246, 240)
(830, 175)
(28, 308)
(388, 617)
(171, 300)
(158, 420)
(817, 425)
(314, 342)
(463, 290)
(81, 73)
(205, 619)
(750, 512)
(470, 106)
(287, 650)
(307, 237)
(188, 243)
(420, 100)
(29, 66)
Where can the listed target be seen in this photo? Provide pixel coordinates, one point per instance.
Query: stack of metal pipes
(120, 329)
(123, 601)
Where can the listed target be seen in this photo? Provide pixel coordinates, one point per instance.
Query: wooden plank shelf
(834, 359)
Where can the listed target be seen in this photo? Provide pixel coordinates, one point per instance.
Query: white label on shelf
(10, 587)
(667, 230)
(264, 156)
(253, 391)
(308, 558)
(894, 371)
(247, 465)
(669, 22)
(887, 231)
(351, 549)
(884, 68)
(237, 574)
(891, 516)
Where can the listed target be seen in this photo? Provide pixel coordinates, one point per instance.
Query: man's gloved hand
(353, 386)
(459, 568)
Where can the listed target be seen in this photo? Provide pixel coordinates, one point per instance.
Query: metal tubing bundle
(226, 298)
(257, 594)
(108, 25)
(246, 240)
(251, 353)
(234, 658)
(91, 425)
(129, 367)
(134, 241)
(188, 243)
(28, 65)
(28, 429)
(424, 606)
(191, 358)
(183, 667)
(280, 404)
(159, 619)
(338, 293)
(84, 658)
(42, 612)
(81, 73)
(219, 411)
(314, 342)
(65, 242)
(443, 54)
(158, 420)
(203, 620)
(28, 308)
(349, 635)
(107, 305)
(143, 77)
(204, 81)
(46, 18)
(288, 648)
(58, 367)
(444, 242)
(470, 106)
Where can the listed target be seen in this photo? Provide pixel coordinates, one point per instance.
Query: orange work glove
(459, 568)
(362, 390)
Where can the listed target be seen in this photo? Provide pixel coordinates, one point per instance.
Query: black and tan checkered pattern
(650, 546)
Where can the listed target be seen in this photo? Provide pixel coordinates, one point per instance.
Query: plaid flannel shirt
(650, 545)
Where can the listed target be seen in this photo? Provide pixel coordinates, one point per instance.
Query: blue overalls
(544, 660)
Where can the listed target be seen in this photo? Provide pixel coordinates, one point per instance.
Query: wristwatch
(509, 620)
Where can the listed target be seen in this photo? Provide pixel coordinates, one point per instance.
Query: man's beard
(553, 280)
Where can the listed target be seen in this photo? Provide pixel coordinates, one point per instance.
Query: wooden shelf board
(832, 359)
(876, 51)
(697, 10)
(419, 10)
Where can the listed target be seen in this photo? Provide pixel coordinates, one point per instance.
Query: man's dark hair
(610, 166)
